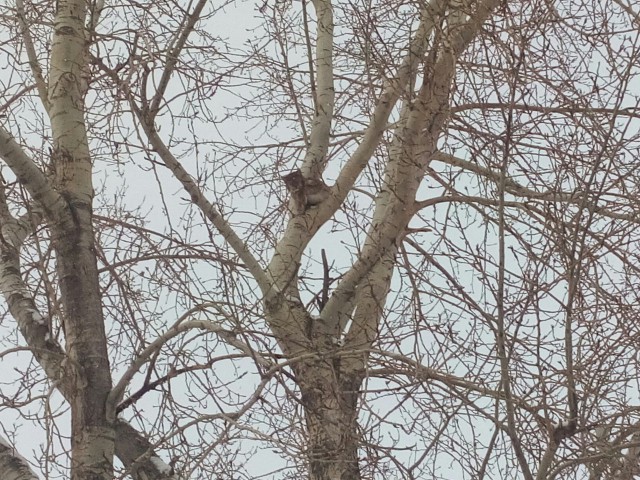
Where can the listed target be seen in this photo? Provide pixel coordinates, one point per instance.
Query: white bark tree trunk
(334, 347)
(330, 383)
(92, 435)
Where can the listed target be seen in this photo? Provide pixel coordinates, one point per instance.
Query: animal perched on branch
(304, 192)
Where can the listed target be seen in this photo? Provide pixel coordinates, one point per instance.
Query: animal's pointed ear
(294, 180)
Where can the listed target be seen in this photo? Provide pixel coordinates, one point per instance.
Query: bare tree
(348, 240)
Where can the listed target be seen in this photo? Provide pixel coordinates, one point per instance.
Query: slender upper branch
(514, 188)
(315, 158)
(394, 87)
(190, 186)
(36, 70)
(206, 207)
(172, 57)
(418, 129)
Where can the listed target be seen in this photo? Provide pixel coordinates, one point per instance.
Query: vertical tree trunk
(92, 439)
(330, 405)
(88, 371)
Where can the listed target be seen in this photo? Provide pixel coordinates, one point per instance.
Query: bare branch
(12, 465)
(36, 70)
(172, 58)
(315, 159)
(208, 210)
(30, 176)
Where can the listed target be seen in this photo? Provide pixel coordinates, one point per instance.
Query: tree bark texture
(92, 435)
(331, 409)
(12, 465)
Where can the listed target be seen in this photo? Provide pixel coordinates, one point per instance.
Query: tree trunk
(330, 405)
(92, 436)
(88, 371)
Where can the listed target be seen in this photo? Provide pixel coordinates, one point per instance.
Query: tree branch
(207, 209)
(180, 327)
(301, 229)
(28, 174)
(12, 465)
(172, 58)
(315, 159)
(36, 70)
